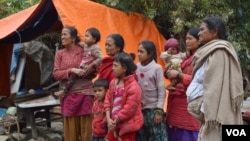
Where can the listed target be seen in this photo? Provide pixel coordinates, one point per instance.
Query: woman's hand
(89, 69)
(79, 72)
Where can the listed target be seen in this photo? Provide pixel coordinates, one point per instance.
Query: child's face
(143, 54)
(89, 39)
(172, 50)
(99, 92)
(118, 69)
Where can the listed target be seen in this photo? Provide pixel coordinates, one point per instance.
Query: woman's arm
(160, 85)
(58, 72)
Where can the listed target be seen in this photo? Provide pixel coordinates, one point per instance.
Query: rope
(19, 35)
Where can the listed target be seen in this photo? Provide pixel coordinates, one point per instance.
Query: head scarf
(172, 42)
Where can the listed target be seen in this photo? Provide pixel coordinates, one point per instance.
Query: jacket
(130, 116)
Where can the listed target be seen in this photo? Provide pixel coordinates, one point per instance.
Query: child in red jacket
(123, 101)
(99, 123)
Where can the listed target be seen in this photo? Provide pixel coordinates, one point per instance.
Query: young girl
(123, 101)
(151, 79)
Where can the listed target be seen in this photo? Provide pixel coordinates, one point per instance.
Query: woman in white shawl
(216, 87)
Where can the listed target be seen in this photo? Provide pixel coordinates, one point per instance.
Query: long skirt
(78, 128)
(151, 131)
(178, 134)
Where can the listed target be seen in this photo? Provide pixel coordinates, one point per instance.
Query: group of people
(126, 101)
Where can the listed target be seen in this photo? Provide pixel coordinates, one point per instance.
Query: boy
(99, 123)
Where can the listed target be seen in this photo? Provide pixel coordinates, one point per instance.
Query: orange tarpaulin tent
(51, 15)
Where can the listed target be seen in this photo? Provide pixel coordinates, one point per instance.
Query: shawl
(105, 69)
(223, 84)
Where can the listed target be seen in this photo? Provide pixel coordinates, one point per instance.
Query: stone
(18, 135)
(4, 137)
(54, 137)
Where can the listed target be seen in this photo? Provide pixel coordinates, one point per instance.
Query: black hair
(149, 46)
(132, 55)
(127, 61)
(119, 41)
(216, 23)
(101, 83)
(95, 33)
(194, 32)
(73, 33)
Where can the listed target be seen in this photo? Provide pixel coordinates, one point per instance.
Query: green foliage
(149, 8)
(177, 16)
(51, 40)
(8, 7)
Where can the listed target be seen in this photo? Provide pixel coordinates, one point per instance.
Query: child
(151, 80)
(172, 57)
(92, 56)
(99, 122)
(122, 102)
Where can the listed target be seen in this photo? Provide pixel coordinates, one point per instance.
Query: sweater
(99, 124)
(151, 81)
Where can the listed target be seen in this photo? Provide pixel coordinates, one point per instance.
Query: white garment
(195, 89)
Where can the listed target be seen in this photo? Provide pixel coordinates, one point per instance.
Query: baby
(172, 57)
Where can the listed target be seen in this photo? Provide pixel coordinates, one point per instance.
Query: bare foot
(60, 93)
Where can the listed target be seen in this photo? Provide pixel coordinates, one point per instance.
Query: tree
(177, 16)
(8, 7)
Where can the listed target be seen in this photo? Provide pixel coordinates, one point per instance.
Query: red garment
(105, 69)
(177, 114)
(117, 101)
(99, 124)
(127, 137)
(74, 103)
(130, 118)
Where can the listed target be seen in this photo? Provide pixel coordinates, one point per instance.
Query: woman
(114, 45)
(181, 126)
(76, 105)
(216, 65)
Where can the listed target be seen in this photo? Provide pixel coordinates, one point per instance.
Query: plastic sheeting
(133, 27)
(82, 14)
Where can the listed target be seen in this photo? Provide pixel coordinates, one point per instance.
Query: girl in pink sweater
(123, 101)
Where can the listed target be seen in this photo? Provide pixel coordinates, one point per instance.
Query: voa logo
(236, 132)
